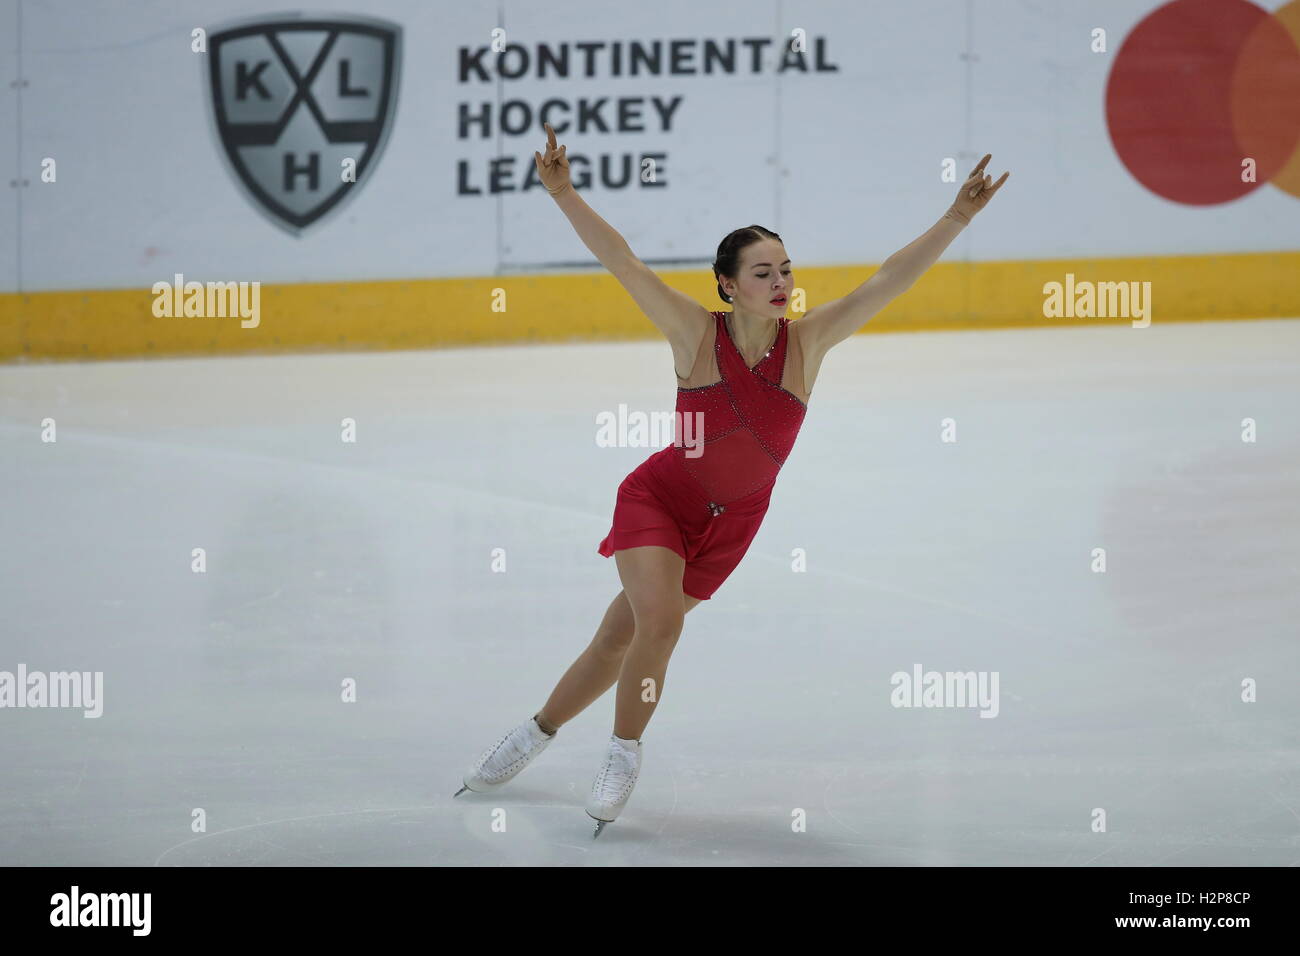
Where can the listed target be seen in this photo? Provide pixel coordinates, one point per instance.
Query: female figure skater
(685, 517)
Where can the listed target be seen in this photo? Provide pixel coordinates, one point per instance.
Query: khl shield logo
(294, 98)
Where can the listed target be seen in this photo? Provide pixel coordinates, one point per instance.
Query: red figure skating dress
(705, 500)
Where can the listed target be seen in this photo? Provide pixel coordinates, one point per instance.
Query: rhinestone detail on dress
(750, 420)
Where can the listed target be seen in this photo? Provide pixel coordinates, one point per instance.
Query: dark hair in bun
(728, 261)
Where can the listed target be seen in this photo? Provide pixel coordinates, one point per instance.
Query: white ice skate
(502, 761)
(614, 782)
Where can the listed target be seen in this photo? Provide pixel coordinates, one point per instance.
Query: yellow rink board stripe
(592, 306)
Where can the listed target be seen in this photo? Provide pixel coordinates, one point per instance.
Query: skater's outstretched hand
(975, 192)
(553, 168)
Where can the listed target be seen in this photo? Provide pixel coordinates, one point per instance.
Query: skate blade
(600, 825)
(460, 791)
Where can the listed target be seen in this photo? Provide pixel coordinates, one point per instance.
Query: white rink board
(844, 164)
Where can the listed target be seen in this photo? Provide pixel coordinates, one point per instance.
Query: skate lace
(619, 771)
(509, 749)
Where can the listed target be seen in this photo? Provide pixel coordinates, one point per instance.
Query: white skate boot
(614, 781)
(502, 761)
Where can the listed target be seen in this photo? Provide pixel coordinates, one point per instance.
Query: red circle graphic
(1200, 86)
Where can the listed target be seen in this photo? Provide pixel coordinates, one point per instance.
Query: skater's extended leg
(652, 581)
(597, 667)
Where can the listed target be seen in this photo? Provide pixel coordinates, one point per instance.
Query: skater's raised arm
(680, 318)
(831, 323)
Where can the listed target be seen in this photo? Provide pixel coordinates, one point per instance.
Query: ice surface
(372, 560)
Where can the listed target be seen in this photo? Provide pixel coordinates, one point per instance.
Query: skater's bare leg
(597, 667)
(652, 581)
